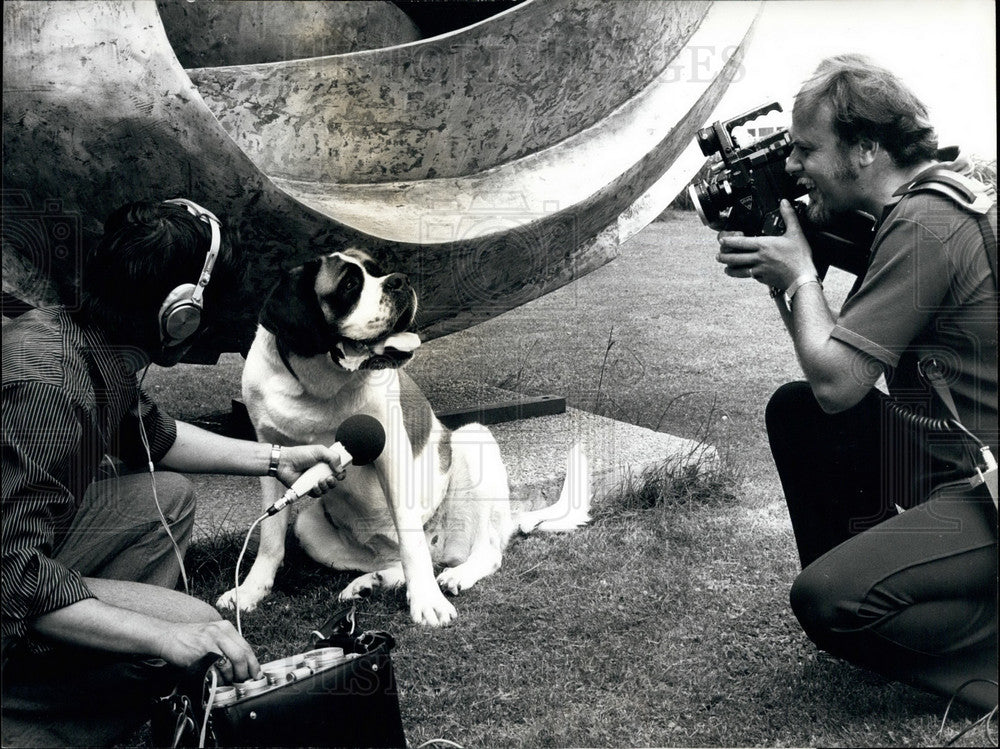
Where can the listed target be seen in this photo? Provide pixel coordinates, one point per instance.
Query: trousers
(898, 577)
(69, 696)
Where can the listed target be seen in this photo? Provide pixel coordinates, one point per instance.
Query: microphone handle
(319, 472)
(310, 479)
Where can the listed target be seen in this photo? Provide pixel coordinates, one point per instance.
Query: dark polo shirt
(69, 398)
(929, 291)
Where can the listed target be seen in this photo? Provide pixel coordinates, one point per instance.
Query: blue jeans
(71, 696)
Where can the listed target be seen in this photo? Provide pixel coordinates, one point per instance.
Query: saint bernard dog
(333, 335)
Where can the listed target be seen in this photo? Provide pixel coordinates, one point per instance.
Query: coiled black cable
(929, 424)
(920, 421)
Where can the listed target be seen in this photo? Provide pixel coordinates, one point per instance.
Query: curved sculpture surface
(506, 174)
(241, 32)
(455, 105)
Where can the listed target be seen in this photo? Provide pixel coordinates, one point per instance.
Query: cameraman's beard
(819, 210)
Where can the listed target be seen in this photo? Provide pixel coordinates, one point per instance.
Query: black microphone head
(363, 437)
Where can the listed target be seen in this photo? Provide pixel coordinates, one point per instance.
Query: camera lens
(710, 200)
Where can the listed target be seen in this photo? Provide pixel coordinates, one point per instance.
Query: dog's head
(343, 304)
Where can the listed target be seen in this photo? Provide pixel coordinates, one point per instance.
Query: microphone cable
(209, 704)
(239, 562)
(152, 480)
(362, 438)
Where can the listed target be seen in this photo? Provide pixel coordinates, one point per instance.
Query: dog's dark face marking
(343, 296)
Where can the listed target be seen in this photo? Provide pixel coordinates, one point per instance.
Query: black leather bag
(352, 703)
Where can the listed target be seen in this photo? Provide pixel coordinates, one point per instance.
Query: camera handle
(718, 137)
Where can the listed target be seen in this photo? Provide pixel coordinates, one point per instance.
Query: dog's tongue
(392, 351)
(405, 342)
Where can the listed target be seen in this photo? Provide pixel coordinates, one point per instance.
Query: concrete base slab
(534, 450)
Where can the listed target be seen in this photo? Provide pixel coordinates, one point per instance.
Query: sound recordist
(93, 628)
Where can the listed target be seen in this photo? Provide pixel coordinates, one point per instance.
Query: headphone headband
(180, 313)
(212, 220)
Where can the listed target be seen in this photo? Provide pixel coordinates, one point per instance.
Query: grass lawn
(663, 623)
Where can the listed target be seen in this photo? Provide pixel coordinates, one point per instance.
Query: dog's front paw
(361, 587)
(430, 608)
(247, 596)
(454, 580)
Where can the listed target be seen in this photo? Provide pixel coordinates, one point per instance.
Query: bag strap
(343, 623)
(980, 200)
(968, 194)
(986, 467)
(933, 371)
(990, 240)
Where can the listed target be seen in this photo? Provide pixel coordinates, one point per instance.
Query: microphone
(360, 439)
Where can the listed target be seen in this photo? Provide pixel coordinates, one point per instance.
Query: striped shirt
(69, 398)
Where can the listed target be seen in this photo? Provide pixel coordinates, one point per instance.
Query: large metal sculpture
(491, 164)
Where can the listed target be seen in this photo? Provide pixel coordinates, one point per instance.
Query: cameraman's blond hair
(868, 101)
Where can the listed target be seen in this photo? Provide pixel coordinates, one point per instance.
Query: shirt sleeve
(37, 466)
(904, 287)
(160, 431)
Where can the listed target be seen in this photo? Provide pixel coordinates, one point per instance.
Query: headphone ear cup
(180, 316)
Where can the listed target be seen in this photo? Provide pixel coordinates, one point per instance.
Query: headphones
(180, 313)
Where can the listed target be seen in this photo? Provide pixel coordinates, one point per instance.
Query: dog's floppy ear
(292, 312)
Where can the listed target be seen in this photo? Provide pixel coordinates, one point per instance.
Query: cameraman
(899, 564)
(93, 629)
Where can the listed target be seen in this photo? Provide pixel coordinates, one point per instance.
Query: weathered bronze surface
(486, 125)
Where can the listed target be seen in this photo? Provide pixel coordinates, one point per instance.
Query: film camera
(744, 190)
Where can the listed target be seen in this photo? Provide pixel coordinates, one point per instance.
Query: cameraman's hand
(774, 261)
(294, 461)
(184, 644)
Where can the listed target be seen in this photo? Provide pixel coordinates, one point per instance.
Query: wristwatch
(799, 282)
(272, 468)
